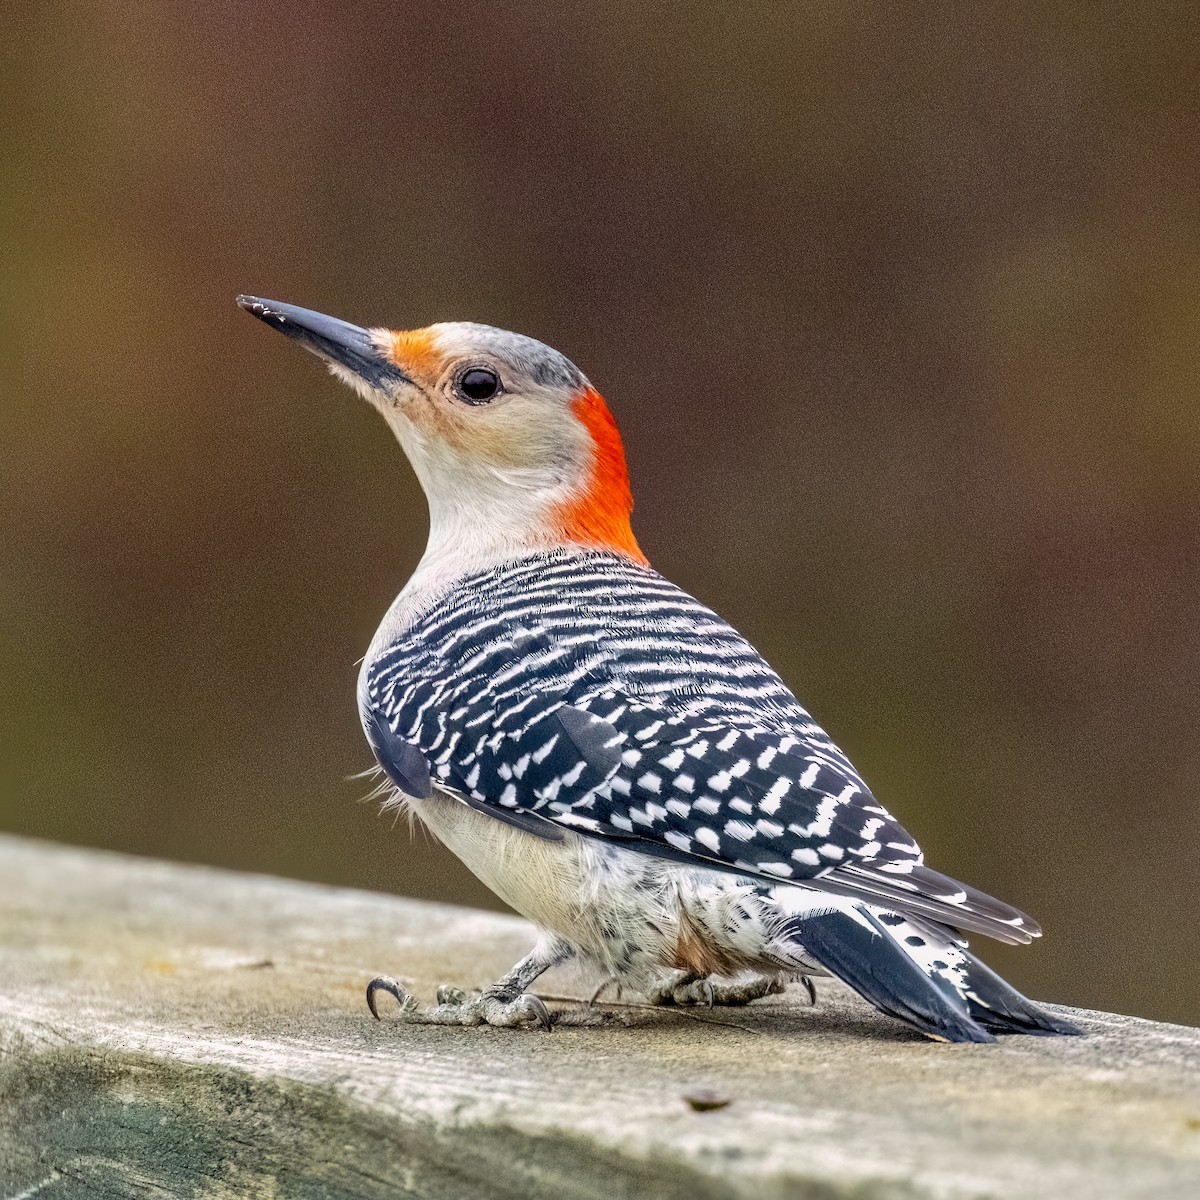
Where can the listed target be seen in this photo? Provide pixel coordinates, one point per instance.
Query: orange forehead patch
(416, 353)
(600, 517)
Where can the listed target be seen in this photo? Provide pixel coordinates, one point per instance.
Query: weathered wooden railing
(180, 1031)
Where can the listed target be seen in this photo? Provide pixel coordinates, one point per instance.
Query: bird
(611, 758)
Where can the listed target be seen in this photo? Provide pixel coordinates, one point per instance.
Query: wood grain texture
(175, 1031)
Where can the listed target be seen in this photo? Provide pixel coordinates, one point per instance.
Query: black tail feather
(858, 951)
(999, 1007)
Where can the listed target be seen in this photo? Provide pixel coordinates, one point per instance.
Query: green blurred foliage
(897, 306)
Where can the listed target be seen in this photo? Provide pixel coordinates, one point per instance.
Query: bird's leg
(687, 989)
(504, 1003)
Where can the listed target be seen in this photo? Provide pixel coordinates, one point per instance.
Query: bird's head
(514, 447)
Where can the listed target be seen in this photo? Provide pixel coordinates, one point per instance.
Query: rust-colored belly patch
(697, 954)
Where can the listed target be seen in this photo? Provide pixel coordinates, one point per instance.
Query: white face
(488, 419)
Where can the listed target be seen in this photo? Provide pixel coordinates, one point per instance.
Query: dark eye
(478, 385)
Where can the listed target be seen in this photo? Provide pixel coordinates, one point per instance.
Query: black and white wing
(585, 692)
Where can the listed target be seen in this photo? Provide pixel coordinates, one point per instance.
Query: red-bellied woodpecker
(605, 753)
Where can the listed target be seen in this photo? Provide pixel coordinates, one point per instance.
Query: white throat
(479, 515)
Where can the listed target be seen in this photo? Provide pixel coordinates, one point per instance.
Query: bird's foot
(689, 991)
(456, 1007)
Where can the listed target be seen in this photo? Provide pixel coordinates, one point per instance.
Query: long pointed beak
(335, 341)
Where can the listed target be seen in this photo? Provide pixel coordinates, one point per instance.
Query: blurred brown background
(898, 307)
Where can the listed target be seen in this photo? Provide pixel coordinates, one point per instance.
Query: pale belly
(632, 914)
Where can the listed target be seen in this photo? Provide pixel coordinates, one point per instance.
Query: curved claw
(534, 1005)
(710, 995)
(385, 983)
(811, 989)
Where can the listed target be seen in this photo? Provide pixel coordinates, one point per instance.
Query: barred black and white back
(580, 689)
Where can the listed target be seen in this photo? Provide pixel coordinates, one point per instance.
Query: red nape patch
(600, 517)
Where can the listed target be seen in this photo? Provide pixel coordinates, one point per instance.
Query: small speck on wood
(706, 1100)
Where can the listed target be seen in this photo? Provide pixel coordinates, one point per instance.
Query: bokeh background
(898, 307)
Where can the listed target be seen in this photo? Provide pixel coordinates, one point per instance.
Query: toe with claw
(456, 1007)
(693, 991)
(393, 987)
